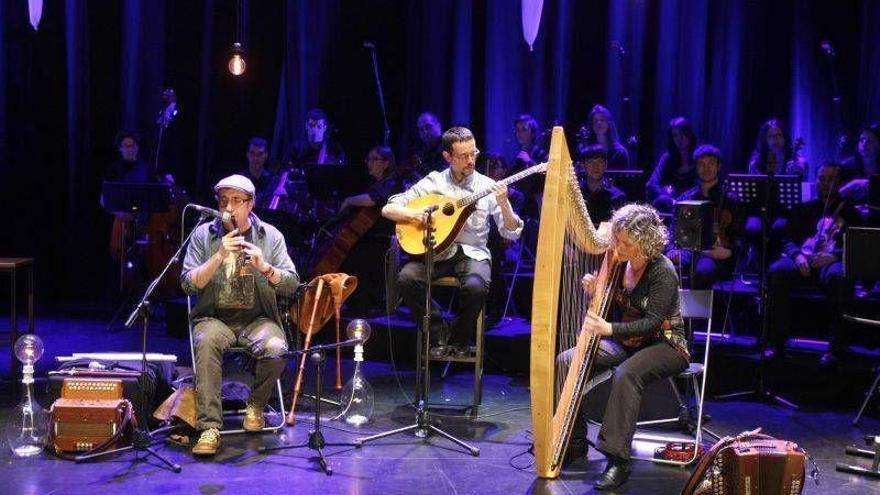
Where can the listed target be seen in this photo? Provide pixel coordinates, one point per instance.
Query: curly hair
(644, 225)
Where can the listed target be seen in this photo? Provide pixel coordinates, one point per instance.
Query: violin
(824, 242)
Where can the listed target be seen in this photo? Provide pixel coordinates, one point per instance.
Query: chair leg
(478, 366)
(868, 395)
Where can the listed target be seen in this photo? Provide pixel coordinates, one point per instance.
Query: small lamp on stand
(27, 429)
(357, 395)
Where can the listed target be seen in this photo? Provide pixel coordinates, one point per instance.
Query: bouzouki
(451, 214)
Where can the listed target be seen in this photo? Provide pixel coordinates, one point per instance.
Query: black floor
(402, 463)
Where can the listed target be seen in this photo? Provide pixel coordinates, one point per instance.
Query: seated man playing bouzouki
(467, 257)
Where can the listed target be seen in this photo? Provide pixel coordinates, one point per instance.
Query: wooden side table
(12, 266)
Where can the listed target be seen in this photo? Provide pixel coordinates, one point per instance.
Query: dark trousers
(473, 276)
(211, 337)
(634, 372)
(783, 276)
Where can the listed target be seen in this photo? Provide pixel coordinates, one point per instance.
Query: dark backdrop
(95, 67)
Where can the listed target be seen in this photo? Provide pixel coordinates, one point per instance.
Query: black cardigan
(653, 300)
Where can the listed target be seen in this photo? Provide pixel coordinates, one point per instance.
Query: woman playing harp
(646, 339)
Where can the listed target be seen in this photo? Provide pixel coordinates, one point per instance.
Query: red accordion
(750, 464)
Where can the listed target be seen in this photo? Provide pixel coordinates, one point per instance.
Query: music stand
(764, 192)
(133, 198)
(631, 182)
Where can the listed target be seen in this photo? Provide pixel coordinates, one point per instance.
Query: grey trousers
(211, 337)
(633, 373)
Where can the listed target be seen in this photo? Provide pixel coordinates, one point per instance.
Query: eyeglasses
(464, 156)
(236, 202)
(376, 159)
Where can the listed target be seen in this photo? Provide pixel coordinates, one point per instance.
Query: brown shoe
(209, 442)
(254, 421)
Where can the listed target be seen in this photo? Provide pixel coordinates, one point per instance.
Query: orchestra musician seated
(718, 262)
(675, 172)
(865, 163)
(644, 337)
(428, 152)
(364, 258)
(774, 152)
(264, 180)
(467, 258)
(530, 151)
(318, 147)
(812, 255)
(601, 196)
(600, 129)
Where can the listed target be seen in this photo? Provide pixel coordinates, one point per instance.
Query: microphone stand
(423, 426)
(316, 442)
(387, 130)
(142, 437)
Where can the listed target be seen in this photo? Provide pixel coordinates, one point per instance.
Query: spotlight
(237, 64)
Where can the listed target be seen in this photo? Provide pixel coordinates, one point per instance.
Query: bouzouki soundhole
(448, 209)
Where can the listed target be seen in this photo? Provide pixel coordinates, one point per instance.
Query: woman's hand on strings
(596, 324)
(589, 283)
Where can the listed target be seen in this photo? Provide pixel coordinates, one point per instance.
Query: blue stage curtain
(143, 63)
(78, 106)
(627, 33)
(868, 102)
(309, 30)
(522, 81)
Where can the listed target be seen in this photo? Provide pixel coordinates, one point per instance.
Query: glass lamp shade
(357, 396)
(27, 429)
(358, 329)
(29, 349)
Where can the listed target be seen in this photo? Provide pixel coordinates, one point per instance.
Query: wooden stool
(12, 266)
(477, 358)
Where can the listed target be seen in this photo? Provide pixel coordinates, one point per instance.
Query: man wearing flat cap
(236, 267)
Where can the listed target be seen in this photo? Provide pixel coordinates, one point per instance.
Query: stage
(403, 463)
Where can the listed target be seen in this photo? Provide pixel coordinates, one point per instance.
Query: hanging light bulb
(27, 429)
(357, 395)
(237, 64)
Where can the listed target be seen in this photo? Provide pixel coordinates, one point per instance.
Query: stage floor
(401, 464)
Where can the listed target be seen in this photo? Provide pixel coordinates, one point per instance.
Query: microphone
(431, 208)
(369, 44)
(225, 215)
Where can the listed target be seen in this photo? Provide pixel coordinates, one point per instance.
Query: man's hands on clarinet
(233, 243)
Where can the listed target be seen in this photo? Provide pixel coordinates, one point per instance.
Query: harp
(568, 247)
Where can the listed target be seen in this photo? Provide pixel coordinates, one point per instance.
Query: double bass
(154, 238)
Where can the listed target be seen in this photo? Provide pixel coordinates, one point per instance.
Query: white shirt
(474, 235)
